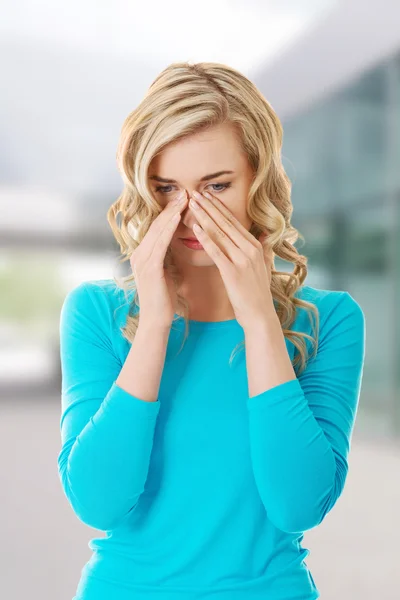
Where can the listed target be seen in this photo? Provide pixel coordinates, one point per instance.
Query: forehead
(206, 151)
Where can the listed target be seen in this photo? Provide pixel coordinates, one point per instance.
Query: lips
(190, 239)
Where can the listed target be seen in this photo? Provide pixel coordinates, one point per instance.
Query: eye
(163, 189)
(224, 186)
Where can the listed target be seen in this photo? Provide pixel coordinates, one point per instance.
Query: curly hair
(184, 99)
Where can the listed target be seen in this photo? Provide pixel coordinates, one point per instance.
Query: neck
(205, 292)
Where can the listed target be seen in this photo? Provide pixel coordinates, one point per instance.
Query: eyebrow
(205, 178)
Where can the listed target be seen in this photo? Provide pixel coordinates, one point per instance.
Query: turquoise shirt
(204, 494)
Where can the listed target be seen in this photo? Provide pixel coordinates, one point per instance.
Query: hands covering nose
(244, 262)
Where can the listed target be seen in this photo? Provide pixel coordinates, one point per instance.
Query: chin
(201, 259)
(197, 258)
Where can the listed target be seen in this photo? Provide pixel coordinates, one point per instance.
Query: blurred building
(337, 93)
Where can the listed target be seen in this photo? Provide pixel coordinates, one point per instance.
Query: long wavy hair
(184, 99)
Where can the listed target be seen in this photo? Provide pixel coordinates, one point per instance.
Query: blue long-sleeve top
(206, 492)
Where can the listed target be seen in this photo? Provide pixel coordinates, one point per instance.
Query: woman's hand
(157, 294)
(244, 264)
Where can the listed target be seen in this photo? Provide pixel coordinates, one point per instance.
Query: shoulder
(327, 301)
(335, 307)
(100, 300)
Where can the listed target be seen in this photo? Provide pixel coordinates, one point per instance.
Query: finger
(161, 222)
(164, 240)
(216, 208)
(220, 232)
(213, 250)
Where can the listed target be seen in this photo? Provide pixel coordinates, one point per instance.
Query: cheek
(237, 206)
(241, 215)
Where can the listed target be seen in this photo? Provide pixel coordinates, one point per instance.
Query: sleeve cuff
(288, 389)
(131, 404)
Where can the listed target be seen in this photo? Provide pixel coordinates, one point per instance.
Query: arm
(300, 430)
(107, 428)
(146, 357)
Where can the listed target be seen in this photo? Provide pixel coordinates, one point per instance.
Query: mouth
(192, 243)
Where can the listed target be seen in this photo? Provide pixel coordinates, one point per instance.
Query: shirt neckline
(194, 324)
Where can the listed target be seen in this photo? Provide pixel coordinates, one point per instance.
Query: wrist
(152, 325)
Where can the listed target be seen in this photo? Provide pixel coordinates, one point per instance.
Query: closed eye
(163, 188)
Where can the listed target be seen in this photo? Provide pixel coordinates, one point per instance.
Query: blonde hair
(184, 99)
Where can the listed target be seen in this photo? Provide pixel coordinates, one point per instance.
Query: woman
(204, 471)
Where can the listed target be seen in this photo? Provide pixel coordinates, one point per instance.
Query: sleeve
(106, 433)
(300, 431)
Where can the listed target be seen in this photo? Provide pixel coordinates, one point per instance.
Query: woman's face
(186, 165)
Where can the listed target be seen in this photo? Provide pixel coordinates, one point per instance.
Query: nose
(188, 216)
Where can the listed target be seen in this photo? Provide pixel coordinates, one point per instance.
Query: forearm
(267, 360)
(107, 466)
(293, 463)
(142, 370)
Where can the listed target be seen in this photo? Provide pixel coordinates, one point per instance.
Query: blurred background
(71, 72)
